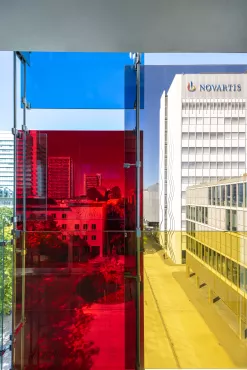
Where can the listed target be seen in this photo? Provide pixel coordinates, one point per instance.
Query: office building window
(197, 214)
(235, 273)
(245, 197)
(228, 195)
(53, 215)
(77, 226)
(218, 262)
(213, 196)
(203, 215)
(231, 220)
(85, 226)
(223, 195)
(214, 260)
(220, 165)
(64, 215)
(209, 196)
(93, 226)
(206, 215)
(193, 213)
(76, 238)
(185, 150)
(229, 269)
(234, 195)
(64, 226)
(64, 237)
(241, 277)
(85, 237)
(223, 265)
(218, 195)
(93, 237)
(240, 195)
(234, 220)
(228, 219)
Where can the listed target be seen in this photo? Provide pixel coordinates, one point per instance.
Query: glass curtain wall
(77, 287)
(125, 234)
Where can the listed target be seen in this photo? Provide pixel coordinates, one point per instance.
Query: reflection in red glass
(80, 240)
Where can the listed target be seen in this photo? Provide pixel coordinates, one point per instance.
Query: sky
(97, 85)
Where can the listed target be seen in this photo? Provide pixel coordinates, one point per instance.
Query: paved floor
(5, 360)
(177, 317)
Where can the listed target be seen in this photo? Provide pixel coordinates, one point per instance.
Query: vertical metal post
(23, 251)
(138, 215)
(14, 209)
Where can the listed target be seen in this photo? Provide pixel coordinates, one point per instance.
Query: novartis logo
(215, 87)
(191, 87)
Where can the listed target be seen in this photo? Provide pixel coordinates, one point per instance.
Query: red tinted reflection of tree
(44, 239)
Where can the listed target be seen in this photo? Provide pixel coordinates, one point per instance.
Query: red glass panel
(79, 314)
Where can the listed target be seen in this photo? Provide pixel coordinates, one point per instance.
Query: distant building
(35, 166)
(80, 221)
(92, 181)
(216, 242)
(6, 168)
(60, 178)
(151, 205)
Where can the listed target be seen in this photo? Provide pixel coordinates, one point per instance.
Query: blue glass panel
(78, 80)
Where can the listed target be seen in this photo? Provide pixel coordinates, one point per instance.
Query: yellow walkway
(176, 335)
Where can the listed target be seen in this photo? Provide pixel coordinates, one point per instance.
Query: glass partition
(106, 254)
(74, 303)
(58, 80)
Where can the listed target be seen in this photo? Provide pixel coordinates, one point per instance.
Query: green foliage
(6, 271)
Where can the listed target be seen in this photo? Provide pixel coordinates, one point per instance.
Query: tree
(116, 192)
(6, 267)
(43, 237)
(115, 223)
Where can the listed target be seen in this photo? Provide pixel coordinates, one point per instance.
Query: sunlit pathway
(176, 335)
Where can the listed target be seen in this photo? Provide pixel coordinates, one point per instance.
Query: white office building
(6, 168)
(203, 125)
(151, 205)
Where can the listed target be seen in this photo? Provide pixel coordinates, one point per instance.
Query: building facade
(151, 205)
(6, 168)
(60, 177)
(80, 225)
(203, 125)
(34, 148)
(216, 242)
(92, 181)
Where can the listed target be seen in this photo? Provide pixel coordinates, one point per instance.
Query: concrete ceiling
(124, 25)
